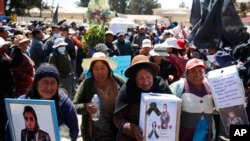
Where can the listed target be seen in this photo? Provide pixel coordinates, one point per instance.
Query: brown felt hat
(138, 60)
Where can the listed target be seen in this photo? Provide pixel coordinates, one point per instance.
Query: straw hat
(24, 39)
(98, 56)
(3, 42)
(138, 60)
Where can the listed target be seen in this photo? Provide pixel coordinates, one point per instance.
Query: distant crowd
(166, 57)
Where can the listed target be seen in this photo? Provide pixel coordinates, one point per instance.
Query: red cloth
(23, 75)
(76, 41)
(179, 64)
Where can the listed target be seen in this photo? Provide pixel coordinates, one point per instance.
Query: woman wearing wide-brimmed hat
(23, 72)
(106, 85)
(141, 78)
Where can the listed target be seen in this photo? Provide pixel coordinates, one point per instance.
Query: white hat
(98, 56)
(3, 42)
(171, 43)
(170, 31)
(23, 23)
(109, 32)
(72, 31)
(142, 27)
(146, 43)
(159, 50)
(59, 42)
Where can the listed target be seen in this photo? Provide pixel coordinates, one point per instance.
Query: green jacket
(83, 96)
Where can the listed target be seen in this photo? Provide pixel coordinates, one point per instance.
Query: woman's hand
(91, 108)
(135, 131)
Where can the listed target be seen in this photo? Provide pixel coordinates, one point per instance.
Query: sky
(164, 3)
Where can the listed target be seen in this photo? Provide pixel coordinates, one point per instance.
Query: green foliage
(22, 7)
(118, 5)
(82, 3)
(142, 6)
(95, 34)
(182, 5)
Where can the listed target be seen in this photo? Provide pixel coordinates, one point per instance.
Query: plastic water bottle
(96, 102)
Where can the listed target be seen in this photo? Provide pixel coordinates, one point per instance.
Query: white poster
(226, 87)
(160, 117)
(228, 93)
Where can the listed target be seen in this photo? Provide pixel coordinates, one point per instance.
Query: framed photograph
(32, 119)
(235, 115)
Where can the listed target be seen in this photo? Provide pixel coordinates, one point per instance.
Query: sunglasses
(29, 118)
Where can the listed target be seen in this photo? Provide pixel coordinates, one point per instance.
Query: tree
(182, 5)
(243, 9)
(118, 5)
(145, 6)
(82, 3)
(22, 7)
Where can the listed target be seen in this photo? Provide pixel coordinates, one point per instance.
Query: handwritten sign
(226, 87)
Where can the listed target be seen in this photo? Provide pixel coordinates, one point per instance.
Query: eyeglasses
(29, 118)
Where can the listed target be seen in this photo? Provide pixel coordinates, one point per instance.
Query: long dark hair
(104, 62)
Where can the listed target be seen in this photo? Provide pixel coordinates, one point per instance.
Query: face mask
(61, 50)
(57, 35)
(129, 33)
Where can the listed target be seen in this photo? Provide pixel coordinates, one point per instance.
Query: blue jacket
(124, 48)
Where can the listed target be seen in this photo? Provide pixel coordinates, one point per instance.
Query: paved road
(79, 123)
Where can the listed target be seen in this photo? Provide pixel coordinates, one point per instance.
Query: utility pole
(52, 9)
(140, 7)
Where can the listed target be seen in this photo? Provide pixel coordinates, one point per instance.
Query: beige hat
(138, 60)
(3, 42)
(19, 39)
(98, 56)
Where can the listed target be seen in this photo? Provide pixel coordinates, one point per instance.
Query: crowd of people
(40, 60)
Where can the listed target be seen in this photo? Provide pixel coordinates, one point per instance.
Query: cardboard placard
(228, 94)
(226, 87)
(160, 116)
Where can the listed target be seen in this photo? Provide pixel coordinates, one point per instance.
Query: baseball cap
(146, 43)
(192, 63)
(142, 27)
(120, 33)
(109, 32)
